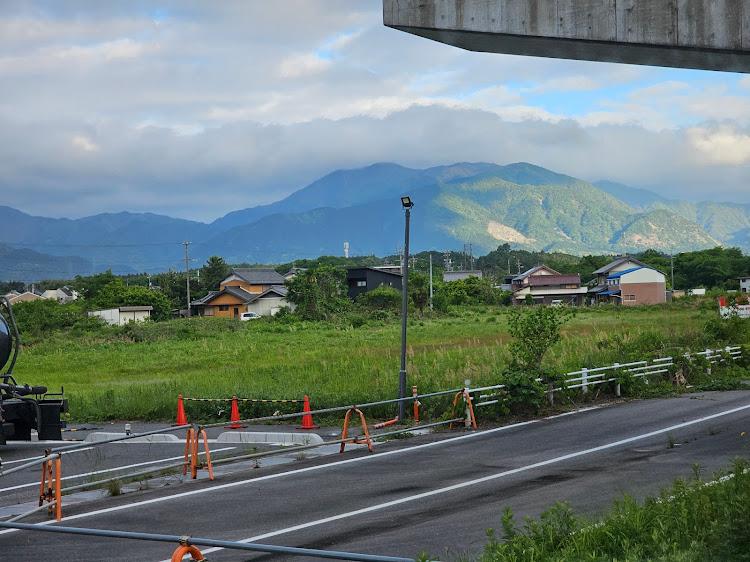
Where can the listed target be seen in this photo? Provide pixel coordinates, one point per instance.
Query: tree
(213, 273)
(383, 297)
(535, 330)
(419, 290)
(116, 294)
(89, 287)
(318, 293)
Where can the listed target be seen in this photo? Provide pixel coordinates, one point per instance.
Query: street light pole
(407, 204)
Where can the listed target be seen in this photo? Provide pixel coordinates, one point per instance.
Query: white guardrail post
(708, 360)
(617, 385)
(467, 412)
(584, 380)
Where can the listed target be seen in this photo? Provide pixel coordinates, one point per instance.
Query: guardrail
(188, 545)
(586, 378)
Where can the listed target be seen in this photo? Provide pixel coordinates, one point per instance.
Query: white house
(124, 314)
(638, 285)
(449, 276)
(744, 284)
(269, 301)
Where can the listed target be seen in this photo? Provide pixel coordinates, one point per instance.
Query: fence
(586, 378)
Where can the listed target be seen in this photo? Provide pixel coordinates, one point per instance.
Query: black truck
(24, 407)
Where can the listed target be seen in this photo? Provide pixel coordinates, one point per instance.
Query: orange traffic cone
(235, 416)
(181, 419)
(307, 421)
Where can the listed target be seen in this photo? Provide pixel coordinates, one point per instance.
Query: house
(293, 272)
(240, 289)
(26, 296)
(546, 285)
(638, 285)
(63, 295)
(744, 284)
(124, 314)
(365, 279)
(269, 301)
(615, 266)
(449, 276)
(625, 280)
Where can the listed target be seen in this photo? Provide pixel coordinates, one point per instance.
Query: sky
(194, 109)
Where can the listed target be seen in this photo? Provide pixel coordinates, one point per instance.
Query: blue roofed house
(628, 281)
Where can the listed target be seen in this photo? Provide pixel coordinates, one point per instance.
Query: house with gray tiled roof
(240, 292)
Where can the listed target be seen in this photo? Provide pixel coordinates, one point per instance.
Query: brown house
(547, 286)
(236, 291)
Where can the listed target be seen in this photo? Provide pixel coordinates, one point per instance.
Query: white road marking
(94, 473)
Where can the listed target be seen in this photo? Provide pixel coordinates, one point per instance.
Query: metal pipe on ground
(195, 541)
(35, 462)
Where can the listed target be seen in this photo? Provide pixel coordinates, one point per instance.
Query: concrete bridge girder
(701, 34)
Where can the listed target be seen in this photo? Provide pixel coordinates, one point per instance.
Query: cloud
(84, 143)
(303, 65)
(722, 146)
(198, 109)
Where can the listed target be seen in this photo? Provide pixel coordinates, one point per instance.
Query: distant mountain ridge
(478, 203)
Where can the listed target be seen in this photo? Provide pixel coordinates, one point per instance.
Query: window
(209, 311)
(362, 283)
(223, 307)
(630, 298)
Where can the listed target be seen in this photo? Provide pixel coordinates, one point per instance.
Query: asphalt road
(436, 493)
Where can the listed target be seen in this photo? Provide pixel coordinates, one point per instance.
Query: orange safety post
(51, 488)
(235, 416)
(416, 403)
(184, 549)
(467, 399)
(195, 465)
(307, 421)
(181, 419)
(58, 489)
(355, 440)
(188, 450)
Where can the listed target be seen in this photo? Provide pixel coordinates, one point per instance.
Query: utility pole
(430, 280)
(471, 256)
(187, 274)
(518, 262)
(671, 265)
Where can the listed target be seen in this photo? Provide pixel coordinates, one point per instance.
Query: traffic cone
(235, 416)
(181, 419)
(307, 421)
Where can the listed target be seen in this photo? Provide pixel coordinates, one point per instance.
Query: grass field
(137, 372)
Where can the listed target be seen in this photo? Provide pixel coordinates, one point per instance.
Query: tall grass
(137, 371)
(690, 522)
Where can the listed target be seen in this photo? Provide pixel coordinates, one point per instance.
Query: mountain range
(479, 203)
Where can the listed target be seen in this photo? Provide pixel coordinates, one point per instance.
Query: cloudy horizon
(194, 110)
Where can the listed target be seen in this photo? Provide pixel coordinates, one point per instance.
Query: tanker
(24, 407)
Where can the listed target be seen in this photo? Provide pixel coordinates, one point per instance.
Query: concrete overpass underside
(700, 34)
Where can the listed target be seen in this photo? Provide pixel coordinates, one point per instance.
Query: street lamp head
(406, 202)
